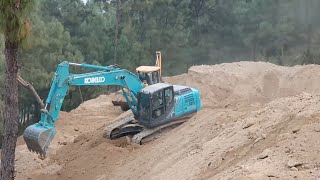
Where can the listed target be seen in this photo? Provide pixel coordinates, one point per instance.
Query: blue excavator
(154, 105)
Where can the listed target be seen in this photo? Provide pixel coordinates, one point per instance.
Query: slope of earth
(259, 121)
(88, 117)
(246, 83)
(274, 141)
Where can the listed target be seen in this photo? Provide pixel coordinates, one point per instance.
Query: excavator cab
(150, 74)
(155, 102)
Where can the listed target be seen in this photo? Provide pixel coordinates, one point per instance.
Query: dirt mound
(88, 117)
(259, 121)
(248, 83)
(272, 141)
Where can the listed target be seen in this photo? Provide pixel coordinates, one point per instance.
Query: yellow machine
(148, 75)
(151, 74)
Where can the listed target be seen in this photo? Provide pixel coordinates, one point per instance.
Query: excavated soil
(259, 121)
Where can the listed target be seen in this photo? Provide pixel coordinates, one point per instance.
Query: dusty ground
(259, 121)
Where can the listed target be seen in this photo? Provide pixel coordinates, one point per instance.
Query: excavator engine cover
(38, 138)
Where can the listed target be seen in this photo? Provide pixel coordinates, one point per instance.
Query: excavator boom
(39, 136)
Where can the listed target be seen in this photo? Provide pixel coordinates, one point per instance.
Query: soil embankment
(259, 121)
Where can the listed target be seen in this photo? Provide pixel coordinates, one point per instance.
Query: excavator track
(138, 138)
(110, 129)
(129, 126)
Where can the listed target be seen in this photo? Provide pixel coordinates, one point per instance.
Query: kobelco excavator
(154, 107)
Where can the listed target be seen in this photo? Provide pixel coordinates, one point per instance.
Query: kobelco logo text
(94, 80)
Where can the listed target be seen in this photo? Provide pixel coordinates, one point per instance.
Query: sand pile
(245, 83)
(259, 121)
(88, 117)
(273, 141)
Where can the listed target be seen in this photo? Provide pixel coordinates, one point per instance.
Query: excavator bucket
(38, 138)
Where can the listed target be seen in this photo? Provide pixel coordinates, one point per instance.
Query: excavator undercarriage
(129, 126)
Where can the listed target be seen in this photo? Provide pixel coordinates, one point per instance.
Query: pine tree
(15, 27)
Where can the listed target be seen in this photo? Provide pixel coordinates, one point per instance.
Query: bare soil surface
(259, 121)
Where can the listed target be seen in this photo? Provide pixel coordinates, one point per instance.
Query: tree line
(188, 32)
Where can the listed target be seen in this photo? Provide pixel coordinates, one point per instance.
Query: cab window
(144, 77)
(144, 105)
(155, 77)
(168, 94)
(157, 104)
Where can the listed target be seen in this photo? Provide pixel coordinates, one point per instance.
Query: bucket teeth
(38, 138)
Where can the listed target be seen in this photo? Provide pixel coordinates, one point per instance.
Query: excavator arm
(39, 136)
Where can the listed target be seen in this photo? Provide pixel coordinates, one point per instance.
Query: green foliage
(188, 32)
(13, 21)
